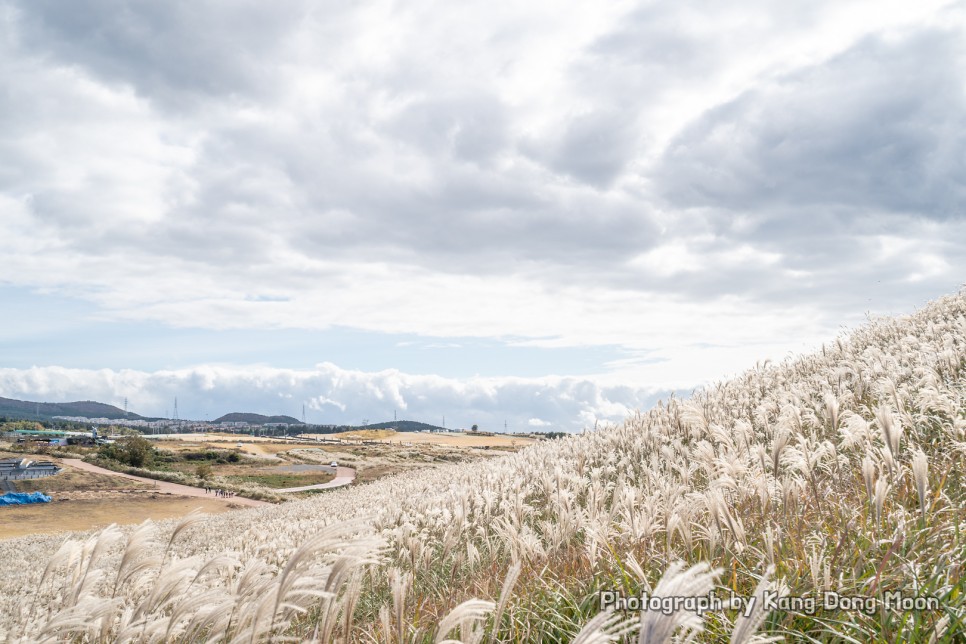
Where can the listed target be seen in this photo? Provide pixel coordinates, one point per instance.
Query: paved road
(163, 486)
(343, 476)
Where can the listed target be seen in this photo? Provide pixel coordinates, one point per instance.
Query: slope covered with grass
(837, 472)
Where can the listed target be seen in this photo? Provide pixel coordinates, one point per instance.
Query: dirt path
(343, 476)
(168, 488)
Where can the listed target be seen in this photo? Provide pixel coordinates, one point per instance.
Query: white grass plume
(920, 473)
(606, 627)
(747, 625)
(658, 628)
(463, 616)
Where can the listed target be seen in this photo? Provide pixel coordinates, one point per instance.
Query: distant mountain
(403, 426)
(256, 419)
(27, 410)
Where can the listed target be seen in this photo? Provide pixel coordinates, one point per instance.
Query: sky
(504, 214)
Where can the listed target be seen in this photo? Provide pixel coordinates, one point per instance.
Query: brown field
(257, 445)
(263, 445)
(365, 434)
(215, 437)
(267, 449)
(420, 438)
(100, 509)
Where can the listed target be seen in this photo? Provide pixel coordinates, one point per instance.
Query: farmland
(837, 472)
(259, 467)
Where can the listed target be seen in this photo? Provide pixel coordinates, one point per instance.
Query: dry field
(82, 511)
(384, 453)
(421, 438)
(216, 437)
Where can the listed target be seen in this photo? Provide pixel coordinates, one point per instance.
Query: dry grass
(361, 434)
(73, 480)
(420, 438)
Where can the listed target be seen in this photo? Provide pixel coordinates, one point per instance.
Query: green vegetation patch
(282, 480)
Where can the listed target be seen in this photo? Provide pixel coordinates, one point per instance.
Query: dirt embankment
(163, 487)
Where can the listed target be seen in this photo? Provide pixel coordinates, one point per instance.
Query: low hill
(28, 410)
(403, 426)
(255, 419)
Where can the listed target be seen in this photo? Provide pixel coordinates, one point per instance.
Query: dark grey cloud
(593, 148)
(471, 127)
(168, 51)
(652, 47)
(881, 127)
(325, 192)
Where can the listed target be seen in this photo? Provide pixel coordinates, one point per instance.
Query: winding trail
(343, 476)
(165, 487)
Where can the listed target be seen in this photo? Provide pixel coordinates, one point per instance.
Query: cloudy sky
(532, 213)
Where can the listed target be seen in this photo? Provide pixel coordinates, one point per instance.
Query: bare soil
(86, 510)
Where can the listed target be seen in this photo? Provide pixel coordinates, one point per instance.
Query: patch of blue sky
(53, 330)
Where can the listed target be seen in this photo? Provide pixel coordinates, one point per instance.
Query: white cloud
(334, 395)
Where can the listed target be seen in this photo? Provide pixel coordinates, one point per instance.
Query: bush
(209, 455)
(203, 470)
(134, 451)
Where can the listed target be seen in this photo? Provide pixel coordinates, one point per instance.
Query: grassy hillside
(27, 410)
(403, 426)
(255, 419)
(839, 472)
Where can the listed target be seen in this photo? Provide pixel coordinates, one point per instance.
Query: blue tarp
(23, 498)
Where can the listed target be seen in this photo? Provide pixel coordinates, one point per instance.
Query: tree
(475, 428)
(134, 451)
(139, 451)
(203, 470)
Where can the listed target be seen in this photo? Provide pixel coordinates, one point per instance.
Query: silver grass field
(839, 472)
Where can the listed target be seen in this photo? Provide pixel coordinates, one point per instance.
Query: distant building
(14, 469)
